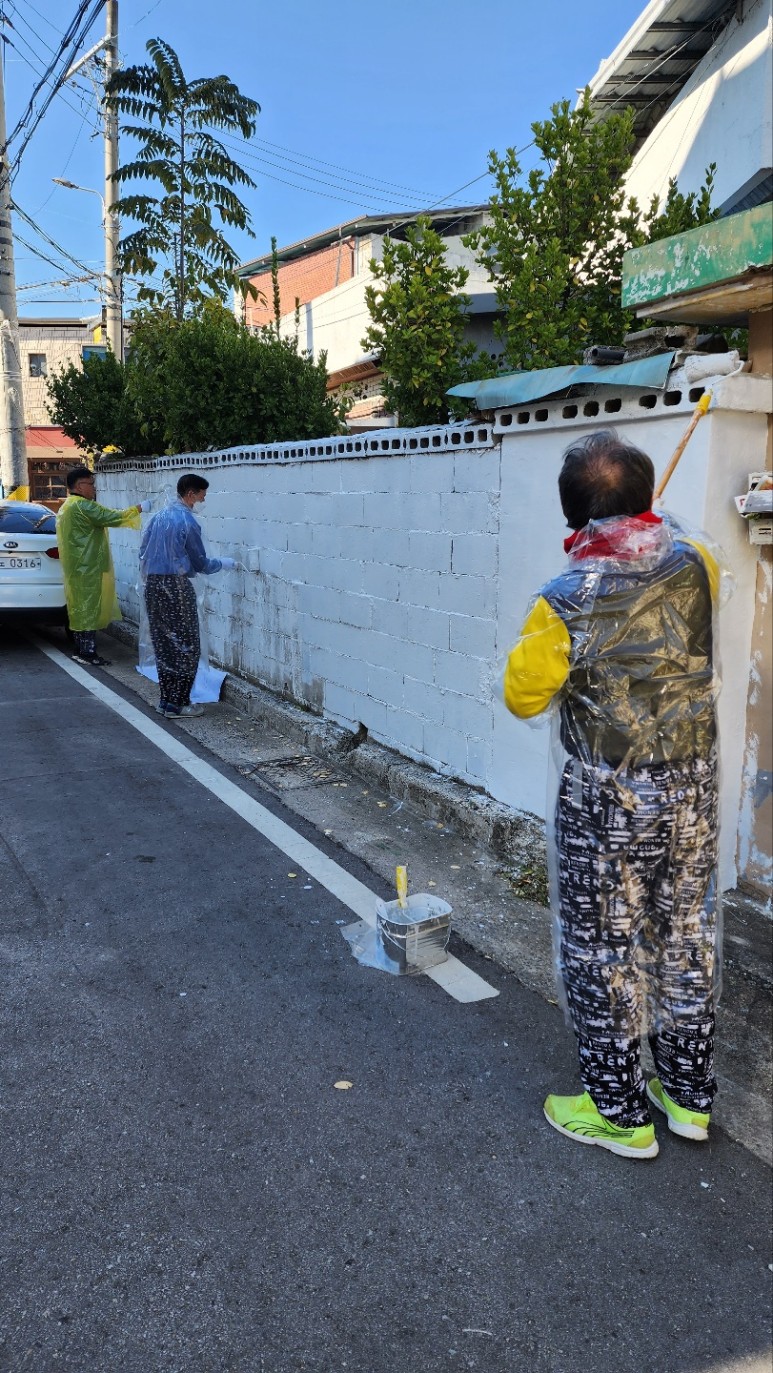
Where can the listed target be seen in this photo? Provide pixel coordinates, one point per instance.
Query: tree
(417, 325)
(89, 403)
(207, 382)
(681, 212)
(192, 384)
(555, 244)
(172, 123)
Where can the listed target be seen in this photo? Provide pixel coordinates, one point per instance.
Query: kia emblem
(10, 543)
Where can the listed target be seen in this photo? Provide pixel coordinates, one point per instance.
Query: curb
(514, 836)
(517, 838)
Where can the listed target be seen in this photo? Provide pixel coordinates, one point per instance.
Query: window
(38, 365)
(93, 350)
(26, 518)
(47, 480)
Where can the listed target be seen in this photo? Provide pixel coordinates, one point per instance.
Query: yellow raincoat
(87, 567)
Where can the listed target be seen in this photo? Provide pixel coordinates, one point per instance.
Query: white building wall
(393, 570)
(724, 115)
(337, 321)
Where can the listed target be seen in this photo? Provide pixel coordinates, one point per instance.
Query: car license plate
(19, 562)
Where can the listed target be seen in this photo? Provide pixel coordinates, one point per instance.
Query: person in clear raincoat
(87, 567)
(620, 646)
(171, 553)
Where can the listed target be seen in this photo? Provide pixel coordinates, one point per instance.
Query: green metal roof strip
(717, 252)
(519, 388)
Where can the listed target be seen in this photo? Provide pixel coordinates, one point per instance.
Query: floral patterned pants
(173, 620)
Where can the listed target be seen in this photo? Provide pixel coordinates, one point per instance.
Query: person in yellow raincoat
(87, 567)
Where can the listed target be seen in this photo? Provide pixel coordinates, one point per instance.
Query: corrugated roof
(520, 388)
(657, 57)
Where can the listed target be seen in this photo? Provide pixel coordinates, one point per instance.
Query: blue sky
(365, 108)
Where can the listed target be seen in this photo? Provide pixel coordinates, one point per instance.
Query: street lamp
(113, 311)
(71, 186)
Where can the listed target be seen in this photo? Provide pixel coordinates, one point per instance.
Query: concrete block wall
(391, 572)
(373, 594)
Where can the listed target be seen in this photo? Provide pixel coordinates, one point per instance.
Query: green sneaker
(577, 1117)
(688, 1124)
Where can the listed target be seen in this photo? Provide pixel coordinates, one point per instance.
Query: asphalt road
(186, 1191)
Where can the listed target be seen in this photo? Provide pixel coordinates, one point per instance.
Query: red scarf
(598, 545)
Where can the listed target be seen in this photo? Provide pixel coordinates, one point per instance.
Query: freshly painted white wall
(393, 570)
(724, 114)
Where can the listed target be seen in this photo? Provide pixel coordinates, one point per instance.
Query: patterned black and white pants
(173, 621)
(85, 642)
(637, 857)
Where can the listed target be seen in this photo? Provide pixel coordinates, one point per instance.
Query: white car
(31, 586)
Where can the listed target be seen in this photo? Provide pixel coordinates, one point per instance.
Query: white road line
(453, 976)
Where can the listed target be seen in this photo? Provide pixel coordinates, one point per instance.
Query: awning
(519, 388)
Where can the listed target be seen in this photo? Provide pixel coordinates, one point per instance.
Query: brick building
(322, 283)
(46, 345)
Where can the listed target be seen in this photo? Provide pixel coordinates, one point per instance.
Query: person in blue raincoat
(87, 567)
(171, 554)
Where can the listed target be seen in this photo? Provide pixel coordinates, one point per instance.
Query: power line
(83, 114)
(371, 185)
(624, 99)
(305, 159)
(37, 252)
(32, 116)
(15, 7)
(82, 266)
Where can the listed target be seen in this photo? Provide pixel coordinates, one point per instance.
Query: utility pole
(13, 439)
(113, 287)
(111, 227)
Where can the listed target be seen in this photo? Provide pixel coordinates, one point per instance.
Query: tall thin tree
(171, 120)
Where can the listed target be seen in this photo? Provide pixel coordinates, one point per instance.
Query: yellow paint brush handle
(697, 414)
(401, 882)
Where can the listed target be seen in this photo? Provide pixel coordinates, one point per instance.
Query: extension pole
(697, 414)
(113, 290)
(13, 438)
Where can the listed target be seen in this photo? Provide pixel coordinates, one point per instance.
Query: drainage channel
(293, 771)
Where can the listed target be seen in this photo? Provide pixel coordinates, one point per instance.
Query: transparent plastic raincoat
(87, 567)
(619, 649)
(173, 650)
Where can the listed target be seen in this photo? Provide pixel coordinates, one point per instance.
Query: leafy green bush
(192, 384)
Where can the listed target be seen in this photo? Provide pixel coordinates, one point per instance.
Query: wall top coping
(607, 406)
(379, 443)
(597, 405)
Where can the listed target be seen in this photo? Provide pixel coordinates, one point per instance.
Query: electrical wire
(355, 281)
(82, 266)
(664, 57)
(305, 159)
(145, 15)
(82, 113)
(37, 252)
(32, 115)
(14, 4)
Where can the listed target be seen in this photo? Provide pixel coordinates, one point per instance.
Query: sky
(365, 109)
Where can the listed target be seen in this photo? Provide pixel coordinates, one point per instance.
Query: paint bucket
(414, 936)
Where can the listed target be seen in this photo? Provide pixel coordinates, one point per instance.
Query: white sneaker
(192, 710)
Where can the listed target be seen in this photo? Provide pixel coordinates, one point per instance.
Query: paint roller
(697, 414)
